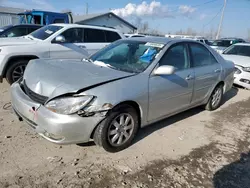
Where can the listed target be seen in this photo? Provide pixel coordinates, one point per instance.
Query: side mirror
(60, 39)
(164, 70)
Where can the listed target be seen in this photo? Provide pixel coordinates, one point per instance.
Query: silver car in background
(123, 87)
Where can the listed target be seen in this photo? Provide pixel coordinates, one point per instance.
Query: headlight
(247, 69)
(68, 105)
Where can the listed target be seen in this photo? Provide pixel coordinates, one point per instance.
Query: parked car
(240, 55)
(221, 44)
(203, 40)
(64, 41)
(18, 30)
(123, 87)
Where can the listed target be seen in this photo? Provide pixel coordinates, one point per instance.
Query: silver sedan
(123, 87)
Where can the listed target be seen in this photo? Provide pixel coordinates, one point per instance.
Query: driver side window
(176, 56)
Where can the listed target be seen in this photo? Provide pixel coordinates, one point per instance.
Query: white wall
(8, 19)
(110, 22)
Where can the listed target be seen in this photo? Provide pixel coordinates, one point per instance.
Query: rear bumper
(57, 128)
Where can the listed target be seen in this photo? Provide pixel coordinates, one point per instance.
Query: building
(9, 15)
(107, 19)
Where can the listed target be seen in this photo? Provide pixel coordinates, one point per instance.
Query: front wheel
(118, 130)
(215, 99)
(15, 71)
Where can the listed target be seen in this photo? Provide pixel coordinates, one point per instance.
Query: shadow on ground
(234, 175)
(171, 120)
(229, 95)
(179, 117)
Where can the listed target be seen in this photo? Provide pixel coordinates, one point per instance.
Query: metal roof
(87, 17)
(10, 10)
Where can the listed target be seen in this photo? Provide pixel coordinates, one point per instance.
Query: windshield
(238, 50)
(4, 28)
(222, 43)
(45, 32)
(128, 56)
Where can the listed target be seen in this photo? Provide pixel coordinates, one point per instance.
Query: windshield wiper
(88, 60)
(102, 64)
(29, 37)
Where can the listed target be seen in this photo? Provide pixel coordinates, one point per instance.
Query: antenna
(221, 20)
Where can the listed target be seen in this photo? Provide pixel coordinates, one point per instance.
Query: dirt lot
(193, 149)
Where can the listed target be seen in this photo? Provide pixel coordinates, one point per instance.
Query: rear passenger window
(73, 35)
(201, 56)
(94, 36)
(112, 36)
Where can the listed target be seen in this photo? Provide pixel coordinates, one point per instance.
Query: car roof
(27, 25)
(85, 26)
(242, 44)
(162, 40)
(229, 39)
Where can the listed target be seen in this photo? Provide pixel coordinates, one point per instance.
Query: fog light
(245, 81)
(53, 137)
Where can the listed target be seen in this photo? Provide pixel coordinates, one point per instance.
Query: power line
(205, 3)
(217, 14)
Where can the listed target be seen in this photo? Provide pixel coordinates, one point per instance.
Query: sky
(167, 16)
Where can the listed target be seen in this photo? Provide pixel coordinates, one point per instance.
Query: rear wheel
(16, 70)
(215, 99)
(118, 130)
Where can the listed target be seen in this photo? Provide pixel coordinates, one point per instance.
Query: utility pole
(221, 20)
(87, 8)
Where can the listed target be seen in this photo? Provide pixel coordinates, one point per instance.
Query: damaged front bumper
(57, 128)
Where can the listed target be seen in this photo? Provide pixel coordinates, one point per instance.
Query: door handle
(189, 77)
(217, 70)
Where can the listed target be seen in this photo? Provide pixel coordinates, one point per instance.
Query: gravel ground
(193, 149)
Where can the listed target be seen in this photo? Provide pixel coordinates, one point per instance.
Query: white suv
(64, 41)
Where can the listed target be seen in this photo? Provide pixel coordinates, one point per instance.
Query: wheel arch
(131, 103)
(221, 83)
(16, 58)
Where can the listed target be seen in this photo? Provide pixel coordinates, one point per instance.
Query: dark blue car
(18, 30)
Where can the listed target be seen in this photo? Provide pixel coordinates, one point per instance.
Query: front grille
(34, 96)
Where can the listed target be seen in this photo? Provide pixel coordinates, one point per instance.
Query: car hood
(53, 78)
(14, 41)
(238, 60)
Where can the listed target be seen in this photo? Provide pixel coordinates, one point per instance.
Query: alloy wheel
(121, 129)
(216, 97)
(18, 72)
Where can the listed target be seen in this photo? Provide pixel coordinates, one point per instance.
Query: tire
(18, 66)
(215, 99)
(107, 130)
